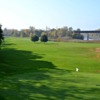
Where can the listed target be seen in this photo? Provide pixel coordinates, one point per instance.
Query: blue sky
(19, 14)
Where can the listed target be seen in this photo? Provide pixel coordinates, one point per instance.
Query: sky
(20, 14)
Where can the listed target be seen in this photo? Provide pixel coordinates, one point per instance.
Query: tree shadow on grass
(24, 75)
(7, 44)
(14, 62)
(18, 61)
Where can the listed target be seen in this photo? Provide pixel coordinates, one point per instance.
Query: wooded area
(55, 34)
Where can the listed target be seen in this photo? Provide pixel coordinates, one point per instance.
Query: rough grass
(46, 71)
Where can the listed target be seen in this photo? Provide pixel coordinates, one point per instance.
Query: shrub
(34, 38)
(44, 38)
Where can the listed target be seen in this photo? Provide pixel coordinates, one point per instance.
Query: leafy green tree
(34, 38)
(59, 32)
(31, 35)
(38, 32)
(70, 31)
(14, 33)
(44, 37)
(32, 29)
(1, 35)
(78, 36)
(53, 34)
(22, 34)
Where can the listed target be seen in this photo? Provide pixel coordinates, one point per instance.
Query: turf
(46, 71)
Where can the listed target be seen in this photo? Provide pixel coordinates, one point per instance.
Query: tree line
(55, 34)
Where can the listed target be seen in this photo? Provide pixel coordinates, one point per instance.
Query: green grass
(46, 71)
